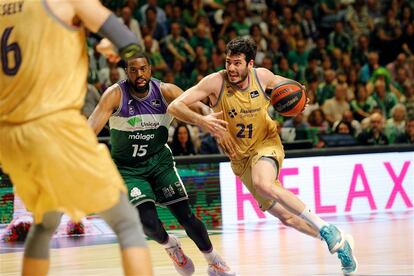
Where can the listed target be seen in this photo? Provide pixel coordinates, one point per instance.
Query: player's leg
(197, 231)
(152, 225)
(36, 252)
(264, 173)
(125, 223)
(291, 220)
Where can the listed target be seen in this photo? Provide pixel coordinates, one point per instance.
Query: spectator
(177, 46)
(400, 62)
(202, 69)
(298, 58)
(110, 74)
(319, 52)
(219, 56)
(368, 68)
(339, 39)
(308, 25)
(284, 70)
(158, 65)
(408, 40)
(408, 136)
(359, 54)
(192, 12)
(395, 125)
(385, 100)
(348, 118)
(387, 34)
(274, 51)
(408, 99)
(203, 39)
(374, 135)
(258, 38)
(358, 19)
(92, 97)
(242, 23)
(299, 124)
(131, 23)
(151, 26)
(311, 93)
(363, 104)
(209, 145)
(182, 143)
(161, 18)
(181, 79)
(326, 89)
(335, 107)
(317, 120)
(312, 72)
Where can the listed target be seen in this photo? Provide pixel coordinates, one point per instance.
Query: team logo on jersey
(135, 192)
(134, 120)
(232, 113)
(254, 94)
(131, 110)
(156, 102)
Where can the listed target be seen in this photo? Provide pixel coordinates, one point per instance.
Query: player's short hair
(242, 46)
(138, 55)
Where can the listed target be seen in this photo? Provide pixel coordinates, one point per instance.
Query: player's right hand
(107, 49)
(212, 124)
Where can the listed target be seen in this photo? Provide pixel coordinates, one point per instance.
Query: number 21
(242, 127)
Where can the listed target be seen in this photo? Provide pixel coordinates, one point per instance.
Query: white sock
(313, 219)
(210, 256)
(171, 242)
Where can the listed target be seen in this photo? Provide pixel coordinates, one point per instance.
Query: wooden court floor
(384, 246)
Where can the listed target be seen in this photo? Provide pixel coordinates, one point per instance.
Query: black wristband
(117, 33)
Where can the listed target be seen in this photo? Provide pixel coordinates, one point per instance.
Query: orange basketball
(288, 98)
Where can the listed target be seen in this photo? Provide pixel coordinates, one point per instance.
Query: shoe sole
(350, 240)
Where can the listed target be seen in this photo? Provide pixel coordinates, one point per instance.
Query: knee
(264, 189)
(151, 225)
(50, 222)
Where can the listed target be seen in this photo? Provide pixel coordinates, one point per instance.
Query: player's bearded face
(139, 84)
(139, 75)
(237, 69)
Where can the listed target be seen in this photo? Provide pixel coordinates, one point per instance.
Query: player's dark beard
(139, 89)
(242, 78)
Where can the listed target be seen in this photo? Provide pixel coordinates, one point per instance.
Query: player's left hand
(226, 142)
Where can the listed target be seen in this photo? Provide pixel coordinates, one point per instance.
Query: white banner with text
(330, 185)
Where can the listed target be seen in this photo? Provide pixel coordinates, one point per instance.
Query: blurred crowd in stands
(356, 58)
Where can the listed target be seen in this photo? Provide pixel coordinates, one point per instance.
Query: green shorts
(155, 180)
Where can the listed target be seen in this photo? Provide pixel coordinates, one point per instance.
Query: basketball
(288, 98)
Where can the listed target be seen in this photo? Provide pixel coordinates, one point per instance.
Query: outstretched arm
(109, 102)
(171, 92)
(180, 107)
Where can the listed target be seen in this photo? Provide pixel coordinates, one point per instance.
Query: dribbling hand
(212, 124)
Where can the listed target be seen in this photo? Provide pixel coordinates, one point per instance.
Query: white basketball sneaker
(182, 262)
(218, 267)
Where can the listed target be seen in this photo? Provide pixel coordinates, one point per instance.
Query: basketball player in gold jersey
(46, 146)
(248, 135)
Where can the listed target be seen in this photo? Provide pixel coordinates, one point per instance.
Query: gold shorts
(243, 169)
(56, 164)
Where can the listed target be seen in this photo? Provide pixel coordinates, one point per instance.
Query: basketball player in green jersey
(46, 146)
(249, 136)
(137, 112)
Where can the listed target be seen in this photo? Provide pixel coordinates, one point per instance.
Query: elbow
(172, 108)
